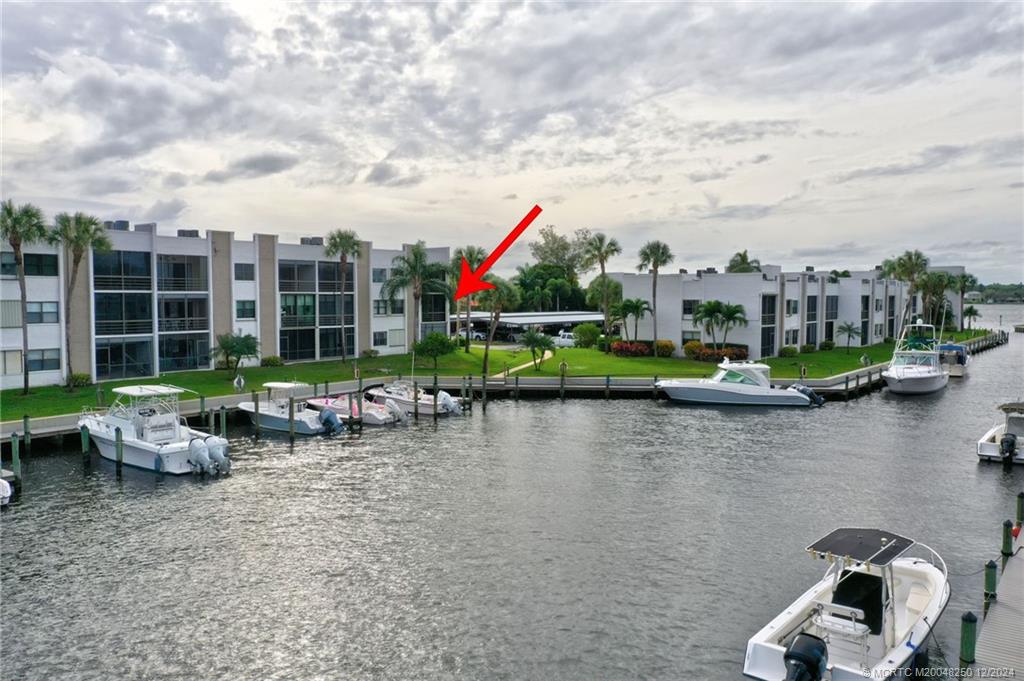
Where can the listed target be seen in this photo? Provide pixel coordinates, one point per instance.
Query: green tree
(538, 298)
(599, 249)
(474, 256)
(654, 255)
(343, 244)
(233, 348)
(709, 316)
(835, 275)
(933, 287)
(415, 272)
(504, 296)
(635, 308)
(595, 292)
(551, 248)
(732, 315)
(908, 267)
(964, 283)
(22, 226)
(850, 330)
(971, 313)
(435, 345)
(539, 344)
(560, 290)
(77, 234)
(741, 262)
(586, 334)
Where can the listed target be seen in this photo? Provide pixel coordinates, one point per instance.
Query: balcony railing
(292, 285)
(181, 284)
(115, 283)
(330, 286)
(290, 321)
(120, 327)
(767, 319)
(185, 324)
(335, 320)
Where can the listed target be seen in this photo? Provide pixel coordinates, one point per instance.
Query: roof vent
(190, 233)
(116, 225)
(148, 227)
(809, 268)
(311, 241)
(682, 270)
(711, 270)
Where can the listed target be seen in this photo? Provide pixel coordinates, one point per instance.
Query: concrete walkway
(547, 355)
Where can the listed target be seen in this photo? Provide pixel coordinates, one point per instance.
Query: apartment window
(298, 344)
(830, 330)
(122, 270)
(865, 326)
(878, 329)
(792, 337)
(435, 308)
(330, 342)
(123, 313)
(690, 336)
(296, 276)
(878, 304)
(181, 273)
(10, 314)
(43, 360)
(768, 311)
(812, 309)
(380, 338)
(329, 276)
(42, 313)
(690, 307)
(298, 310)
(812, 334)
(397, 306)
(119, 358)
(183, 313)
(768, 340)
(245, 271)
(379, 275)
(245, 309)
(36, 264)
(12, 362)
(181, 352)
(831, 307)
(792, 307)
(396, 337)
(380, 307)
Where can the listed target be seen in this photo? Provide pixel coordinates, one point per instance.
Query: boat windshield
(730, 376)
(913, 360)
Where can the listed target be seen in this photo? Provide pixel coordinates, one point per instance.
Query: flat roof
(148, 390)
(862, 544)
(535, 318)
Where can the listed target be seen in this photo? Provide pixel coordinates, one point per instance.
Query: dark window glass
(180, 352)
(830, 330)
(812, 309)
(43, 360)
(298, 344)
(812, 334)
(434, 308)
(380, 275)
(768, 303)
(865, 339)
(330, 342)
(40, 265)
(690, 307)
(245, 309)
(831, 307)
(768, 340)
(123, 313)
(117, 358)
(245, 271)
(7, 266)
(380, 338)
(865, 306)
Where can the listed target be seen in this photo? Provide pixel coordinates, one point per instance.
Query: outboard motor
(806, 658)
(448, 403)
(816, 399)
(395, 410)
(217, 447)
(199, 457)
(1007, 446)
(330, 421)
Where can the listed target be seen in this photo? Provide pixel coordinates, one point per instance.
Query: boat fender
(199, 456)
(330, 421)
(1007, 445)
(448, 403)
(397, 412)
(806, 658)
(218, 450)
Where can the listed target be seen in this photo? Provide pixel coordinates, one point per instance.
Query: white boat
(6, 492)
(870, 616)
(154, 435)
(273, 412)
(916, 367)
(371, 413)
(956, 358)
(401, 393)
(742, 383)
(1005, 441)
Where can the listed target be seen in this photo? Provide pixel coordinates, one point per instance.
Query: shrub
(627, 349)
(707, 354)
(434, 345)
(664, 348)
(271, 361)
(692, 349)
(889, 339)
(826, 345)
(788, 351)
(80, 380)
(369, 353)
(604, 341)
(586, 335)
(807, 347)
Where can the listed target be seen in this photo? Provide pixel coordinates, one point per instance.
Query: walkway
(999, 643)
(547, 355)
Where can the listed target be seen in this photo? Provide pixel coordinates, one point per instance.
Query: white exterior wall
(391, 324)
(38, 289)
(245, 252)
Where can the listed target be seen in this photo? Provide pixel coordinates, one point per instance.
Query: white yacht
(956, 358)
(870, 616)
(402, 394)
(916, 365)
(154, 435)
(371, 413)
(742, 383)
(273, 412)
(1005, 441)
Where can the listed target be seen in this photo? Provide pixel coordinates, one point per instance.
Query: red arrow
(470, 281)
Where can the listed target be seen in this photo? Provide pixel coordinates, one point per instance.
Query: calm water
(575, 540)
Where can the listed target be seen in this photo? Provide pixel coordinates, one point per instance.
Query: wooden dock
(999, 642)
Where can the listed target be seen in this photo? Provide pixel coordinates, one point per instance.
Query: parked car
(565, 339)
(478, 335)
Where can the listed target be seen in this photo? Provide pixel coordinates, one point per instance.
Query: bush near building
(664, 348)
(628, 349)
(692, 349)
(702, 353)
(586, 334)
(271, 361)
(827, 345)
(788, 351)
(435, 345)
(807, 348)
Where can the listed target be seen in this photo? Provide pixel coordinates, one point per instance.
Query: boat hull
(306, 421)
(371, 414)
(913, 383)
(711, 393)
(426, 404)
(988, 447)
(172, 459)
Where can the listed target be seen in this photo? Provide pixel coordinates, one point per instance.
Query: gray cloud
(100, 186)
(258, 165)
(167, 210)
(845, 249)
(174, 180)
(388, 175)
(509, 197)
(928, 159)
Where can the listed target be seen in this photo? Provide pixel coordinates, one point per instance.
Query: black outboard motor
(1007, 446)
(816, 399)
(806, 658)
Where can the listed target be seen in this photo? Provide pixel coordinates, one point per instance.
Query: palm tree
(835, 275)
(22, 226)
(539, 344)
(709, 315)
(731, 315)
(598, 249)
(77, 234)
(908, 267)
(537, 298)
(654, 255)
(413, 271)
(850, 330)
(236, 347)
(474, 255)
(636, 308)
(964, 283)
(344, 244)
(741, 262)
(504, 296)
(560, 288)
(971, 313)
(933, 287)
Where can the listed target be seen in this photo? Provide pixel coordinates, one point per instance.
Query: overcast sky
(811, 134)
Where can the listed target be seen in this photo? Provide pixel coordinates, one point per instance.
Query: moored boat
(280, 410)
(1005, 441)
(739, 383)
(356, 406)
(412, 399)
(956, 358)
(154, 436)
(870, 616)
(916, 367)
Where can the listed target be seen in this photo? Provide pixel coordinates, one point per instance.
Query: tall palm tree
(560, 289)
(598, 249)
(344, 244)
(850, 330)
(538, 298)
(964, 283)
(77, 234)
(413, 271)
(933, 287)
(709, 315)
(22, 226)
(741, 262)
(474, 255)
(731, 315)
(635, 308)
(654, 255)
(908, 267)
(971, 313)
(504, 296)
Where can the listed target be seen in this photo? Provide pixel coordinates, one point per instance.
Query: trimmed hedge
(692, 349)
(807, 348)
(271, 361)
(716, 355)
(627, 349)
(788, 351)
(664, 348)
(586, 335)
(826, 345)
(80, 380)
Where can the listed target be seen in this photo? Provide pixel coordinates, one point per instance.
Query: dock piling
(316, 389)
(291, 417)
(119, 448)
(15, 460)
(991, 579)
(415, 401)
(607, 386)
(968, 638)
(1007, 548)
(517, 387)
(470, 383)
(84, 431)
(351, 412)
(202, 409)
(846, 389)
(223, 422)
(99, 396)
(561, 386)
(327, 388)
(256, 411)
(654, 388)
(25, 426)
(435, 397)
(1020, 509)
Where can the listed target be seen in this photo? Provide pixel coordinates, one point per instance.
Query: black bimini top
(862, 545)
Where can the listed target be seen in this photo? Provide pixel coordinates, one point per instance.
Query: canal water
(544, 539)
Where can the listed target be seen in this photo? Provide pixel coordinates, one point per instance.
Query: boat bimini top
(751, 373)
(862, 546)
(1012, 408)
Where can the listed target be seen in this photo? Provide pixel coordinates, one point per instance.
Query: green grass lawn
(590, 362)
(823, 363)
(53, 400)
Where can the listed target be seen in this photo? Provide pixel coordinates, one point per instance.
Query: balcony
(291, 321)
(123, 283)
(181, 284)
(185, 324)
(294, 285)
(181, 273)
(335, 320)
(121, 327)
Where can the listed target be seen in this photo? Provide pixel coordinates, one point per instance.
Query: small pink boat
(371, 413)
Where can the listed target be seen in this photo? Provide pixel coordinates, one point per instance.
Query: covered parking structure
(512, 324)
